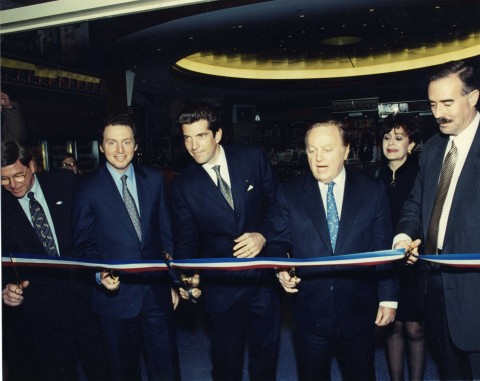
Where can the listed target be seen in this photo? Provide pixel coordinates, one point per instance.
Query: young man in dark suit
(120, 212)
(222, 205)
(47, 315)
(443, 210)
(333, 211)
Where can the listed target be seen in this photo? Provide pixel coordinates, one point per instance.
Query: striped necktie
(446, 173)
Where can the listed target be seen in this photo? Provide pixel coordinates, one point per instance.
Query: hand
(411, 250)
(175, 298)
(385, 316)
(288, 282)
(12, 294)
(109, 280)
(193, 281)
(248, 245)
(5, 101)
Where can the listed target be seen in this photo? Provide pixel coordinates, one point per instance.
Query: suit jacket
(346, 294)
(103, 230)
(205, 225)
(18, 236)
(40, 329)
(460, 285)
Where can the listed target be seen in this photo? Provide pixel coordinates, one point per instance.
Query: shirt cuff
(389, 304)
(400, 237)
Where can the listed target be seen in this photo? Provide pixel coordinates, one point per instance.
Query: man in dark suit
(227, 216)
(120, 212)
(46, 310)
(333, 211)
(449, 223)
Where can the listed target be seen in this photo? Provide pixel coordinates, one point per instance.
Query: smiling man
(333, 211)
(222, 207)
(120, 212)
(47, 317)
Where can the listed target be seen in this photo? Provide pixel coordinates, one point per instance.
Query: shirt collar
(339, 180)
(37, 191)
(466, 136)
(222, 161)
(117, 175)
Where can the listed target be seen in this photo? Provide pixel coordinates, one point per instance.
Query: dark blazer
(18, 235)
(40, 332)
(103, 230)
(350, 293)
(205, 225)
(460, 286)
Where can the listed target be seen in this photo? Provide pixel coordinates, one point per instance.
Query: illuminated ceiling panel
(237, 66)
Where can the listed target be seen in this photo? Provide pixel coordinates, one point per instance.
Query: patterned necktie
(223, 186)
(131, 208)
(332, 215)
(41, 226)
(444, 183)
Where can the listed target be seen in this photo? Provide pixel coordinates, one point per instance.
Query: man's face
(452, 109)
(118, 146)
(20, 178)
(326, 152)
(200, 142)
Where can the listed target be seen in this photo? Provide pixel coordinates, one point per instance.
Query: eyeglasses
(66, 165)
(18, 178)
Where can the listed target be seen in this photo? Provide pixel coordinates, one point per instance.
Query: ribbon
(360, 259)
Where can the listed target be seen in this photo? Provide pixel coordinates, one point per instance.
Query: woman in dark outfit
(398, 174)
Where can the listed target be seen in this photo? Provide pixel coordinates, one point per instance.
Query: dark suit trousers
(355, 355)
(254, 314)
(152, 332)
(453, 363)
(38, 335)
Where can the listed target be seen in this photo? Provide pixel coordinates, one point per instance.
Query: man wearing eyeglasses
(42, 306)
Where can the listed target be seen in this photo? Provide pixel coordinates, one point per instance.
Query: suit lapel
(312, 199)
(145, 198)
(239, 182)
(467, 186)
(352, 201)
(203, 184)
(434, 167)
(112, 200)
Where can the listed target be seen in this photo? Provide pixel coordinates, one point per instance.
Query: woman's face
(396, 144)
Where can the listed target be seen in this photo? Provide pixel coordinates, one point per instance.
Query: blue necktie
(131, 208)
(41, 226)
(332, 215)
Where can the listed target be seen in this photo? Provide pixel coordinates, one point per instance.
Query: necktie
(131, 207)
(446, 173)
(332, 215)
(223, 186)
(41, 226)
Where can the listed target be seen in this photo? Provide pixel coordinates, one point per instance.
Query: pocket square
(59, 203)
(250, 187)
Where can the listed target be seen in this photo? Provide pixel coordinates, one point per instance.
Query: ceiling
(288, 39)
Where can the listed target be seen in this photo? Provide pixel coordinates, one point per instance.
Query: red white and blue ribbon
(360, 259)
